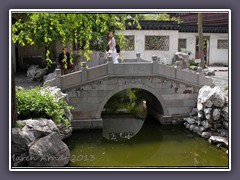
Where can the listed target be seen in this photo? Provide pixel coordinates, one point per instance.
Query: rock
(206, 134)
(225, 124)
(204, 93)
(217, 125)
(187, 126)
(224, 113)
(49, 151)
(55, 92)
(196, 129)
(216, 114)
(208, 103)
(20, 159)
(194, 112)
(219, 139)
(192, 127)
(200, 106)
(189, 120)
(217, 97)
(34, 72)
(211, 96)
(200, 115)
(208, 113)
(201, 128)
(21, 140)
(181, 57)
(206, 124)
(65, 131)
(40, 127)
(223, 132)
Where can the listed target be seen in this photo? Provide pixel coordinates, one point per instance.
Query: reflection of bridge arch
(129, 86)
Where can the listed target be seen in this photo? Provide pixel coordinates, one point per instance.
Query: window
(157, 43)
(182, 43)
(222, 44)
(129, 43)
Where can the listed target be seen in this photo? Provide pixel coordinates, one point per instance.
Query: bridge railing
(126, 69)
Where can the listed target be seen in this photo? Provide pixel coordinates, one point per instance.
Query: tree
(200, 39)
(46, 29)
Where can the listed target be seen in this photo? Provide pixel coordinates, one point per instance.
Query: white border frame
(120, 11)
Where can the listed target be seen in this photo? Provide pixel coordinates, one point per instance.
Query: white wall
(215, 55)
(165, 56)
(191, 42)
(218, 55)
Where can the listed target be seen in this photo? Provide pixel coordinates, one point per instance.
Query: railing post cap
(138, 54)
(154, 58)
(84, 64)
(101, 54)
(58, 71)
(110, 58)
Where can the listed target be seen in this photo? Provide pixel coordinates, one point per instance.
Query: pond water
(153, 146)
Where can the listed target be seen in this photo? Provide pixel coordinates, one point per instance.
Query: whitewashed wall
(191, 42)
(219, 56)
(165, 56)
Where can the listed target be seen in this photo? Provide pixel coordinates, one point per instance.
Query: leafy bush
(36, 104)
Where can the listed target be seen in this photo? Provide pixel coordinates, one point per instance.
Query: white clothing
(112, 49)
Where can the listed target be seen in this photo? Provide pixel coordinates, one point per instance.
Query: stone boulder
(189, 120)
(36, 73)
(29, 133)
(218, 139)
(216, 114)
(49, 151)
(208, 113)
(217, 97)
(181, 57)
(23, 138)
(224, 113)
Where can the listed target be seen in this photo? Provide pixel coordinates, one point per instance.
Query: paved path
(22, 80)
(221, 76)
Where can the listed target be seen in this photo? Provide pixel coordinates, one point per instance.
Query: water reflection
(154, 145)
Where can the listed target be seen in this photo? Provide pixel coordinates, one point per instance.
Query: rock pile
(210, 118)
(37, 143)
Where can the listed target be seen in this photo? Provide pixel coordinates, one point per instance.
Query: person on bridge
(64, 61)
(112, 47)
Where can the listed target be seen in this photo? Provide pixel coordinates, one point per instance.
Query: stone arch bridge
(90, 88)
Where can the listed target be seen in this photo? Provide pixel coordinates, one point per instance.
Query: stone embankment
(210, 118)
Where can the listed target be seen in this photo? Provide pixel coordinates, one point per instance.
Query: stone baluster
(138, 54)
(84, 72)
(155, 64)
(110, 64)
(101, 59)
(58, 79)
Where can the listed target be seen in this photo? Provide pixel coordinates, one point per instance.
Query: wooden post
(200, 39)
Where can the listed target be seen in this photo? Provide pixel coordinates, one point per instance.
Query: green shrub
(36, 104)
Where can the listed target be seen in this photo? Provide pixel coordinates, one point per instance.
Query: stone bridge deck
(90, 88)
(134, 69)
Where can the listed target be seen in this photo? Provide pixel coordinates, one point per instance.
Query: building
(165, 38)
(161, 38)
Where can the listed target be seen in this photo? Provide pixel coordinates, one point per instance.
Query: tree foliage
(83, 29)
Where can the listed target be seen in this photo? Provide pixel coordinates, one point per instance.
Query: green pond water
(153, 146)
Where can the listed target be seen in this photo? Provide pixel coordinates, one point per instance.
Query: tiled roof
(173, 25)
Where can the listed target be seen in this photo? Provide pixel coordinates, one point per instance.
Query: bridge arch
(130, 86)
